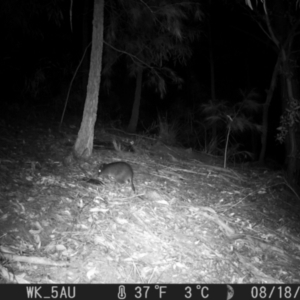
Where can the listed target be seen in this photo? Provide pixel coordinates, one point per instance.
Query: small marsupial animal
(120, 171)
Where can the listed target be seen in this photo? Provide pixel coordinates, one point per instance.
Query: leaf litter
(190, 221)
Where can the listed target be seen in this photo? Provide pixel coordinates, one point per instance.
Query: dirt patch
(190, 220)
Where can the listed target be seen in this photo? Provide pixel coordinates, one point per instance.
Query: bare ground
(190, 221)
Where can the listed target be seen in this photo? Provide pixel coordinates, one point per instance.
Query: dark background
(40, 53)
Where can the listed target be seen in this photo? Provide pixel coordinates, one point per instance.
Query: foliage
(235, 155)
(249, 3)
(19, 18)
(288, 119)
(150, 34)
(33, 85)
(167, 131)
(237, 118)
(23, 28)
(281, 25)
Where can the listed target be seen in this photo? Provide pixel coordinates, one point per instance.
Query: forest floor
(190, 220)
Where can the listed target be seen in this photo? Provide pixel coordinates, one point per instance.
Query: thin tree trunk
(266, 106)
(137, 100)
(211, 55)
(292, 91)
(212, 73)
(85, 41)
(85, 139)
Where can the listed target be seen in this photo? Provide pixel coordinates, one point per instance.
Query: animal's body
(120, 171)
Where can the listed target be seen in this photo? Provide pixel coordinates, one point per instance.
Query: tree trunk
(266, 106)
(293, 94)
(137, 100)
(85, 42)
(212, 73)
(85, 139)
(211, 54)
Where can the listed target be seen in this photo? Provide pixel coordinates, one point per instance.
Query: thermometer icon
(121, 294)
